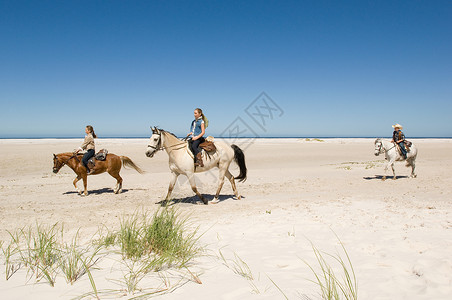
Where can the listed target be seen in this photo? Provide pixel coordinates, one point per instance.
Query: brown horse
(112, 165)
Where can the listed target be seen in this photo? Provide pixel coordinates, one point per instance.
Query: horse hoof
(204, 200)
(394, 178)
(215, 201)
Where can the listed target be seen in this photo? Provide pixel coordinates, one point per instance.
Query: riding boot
(199, 160)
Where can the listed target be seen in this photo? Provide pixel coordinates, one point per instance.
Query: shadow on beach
(195, 200)
(98, 191)
(380, 177)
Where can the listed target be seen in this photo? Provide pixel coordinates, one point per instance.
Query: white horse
(181, 161)
(392, 155)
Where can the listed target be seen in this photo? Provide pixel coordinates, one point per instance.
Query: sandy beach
(299, 193)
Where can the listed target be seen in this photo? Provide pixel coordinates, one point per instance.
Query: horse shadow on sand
(98, 191)
(380, 177)
(194, 200)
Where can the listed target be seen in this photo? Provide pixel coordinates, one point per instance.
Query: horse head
(378, 147)
(155, 143)
(57, 163)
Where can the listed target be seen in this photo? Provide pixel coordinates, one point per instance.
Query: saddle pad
(101, 155)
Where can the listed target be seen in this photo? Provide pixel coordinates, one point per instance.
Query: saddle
(101, 155)
(407, 147)
(208, 146)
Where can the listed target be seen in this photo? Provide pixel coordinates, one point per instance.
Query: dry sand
(397, 233)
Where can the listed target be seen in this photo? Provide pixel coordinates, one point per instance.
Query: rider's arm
(88, 139)
(401, 137)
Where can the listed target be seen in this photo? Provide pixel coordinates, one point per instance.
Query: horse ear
(54, 156)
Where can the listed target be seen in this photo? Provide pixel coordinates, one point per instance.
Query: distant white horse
(181, 161)
(392, 155)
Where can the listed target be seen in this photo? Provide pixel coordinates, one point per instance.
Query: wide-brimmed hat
(397, 126)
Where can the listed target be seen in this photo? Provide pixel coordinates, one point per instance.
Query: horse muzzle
(150, 153)
(55, 170)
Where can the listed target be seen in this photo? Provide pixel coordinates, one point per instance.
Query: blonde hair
(204, 118)
(91, 130)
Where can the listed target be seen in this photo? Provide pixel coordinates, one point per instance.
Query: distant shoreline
(222, 137)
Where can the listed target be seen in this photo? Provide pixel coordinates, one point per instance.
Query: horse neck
(386, 144)
(70, 162)
(169, 141)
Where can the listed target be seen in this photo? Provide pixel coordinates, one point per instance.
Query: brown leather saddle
(407, 147)
(101, 156)
(208, 146)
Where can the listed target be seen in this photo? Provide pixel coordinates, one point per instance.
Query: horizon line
(222, 137)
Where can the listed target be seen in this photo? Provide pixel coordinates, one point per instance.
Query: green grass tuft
(331, 286)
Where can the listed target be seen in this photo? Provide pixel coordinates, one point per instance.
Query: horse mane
(68, 154)
(162, 130)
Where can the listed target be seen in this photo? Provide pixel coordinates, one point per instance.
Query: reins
(384, 149)
(160, 147)
(73, 155)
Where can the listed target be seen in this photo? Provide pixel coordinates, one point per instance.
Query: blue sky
(333, 68)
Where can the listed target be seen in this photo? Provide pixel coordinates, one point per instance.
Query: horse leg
(85, 184)
(393, 171)
(75, 184)
(386, 171)
(118, 188)
(191, 179)
(171, 185)
(221, 175)
(413, 166)
(232, 181)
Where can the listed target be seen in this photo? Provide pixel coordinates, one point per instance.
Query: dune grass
(162, 240)
(146, 242)
(333, 287)
(153, 243)
(75, 261)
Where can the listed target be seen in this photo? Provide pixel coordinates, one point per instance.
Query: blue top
(196, 126)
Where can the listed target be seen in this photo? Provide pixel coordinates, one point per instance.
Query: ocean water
(241, 137)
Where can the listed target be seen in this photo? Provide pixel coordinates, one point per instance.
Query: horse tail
(239, 158)
(127, 162)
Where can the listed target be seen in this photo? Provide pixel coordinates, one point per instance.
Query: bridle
(160, 147)
(64, 162)
(159, 144)
(381, 149)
